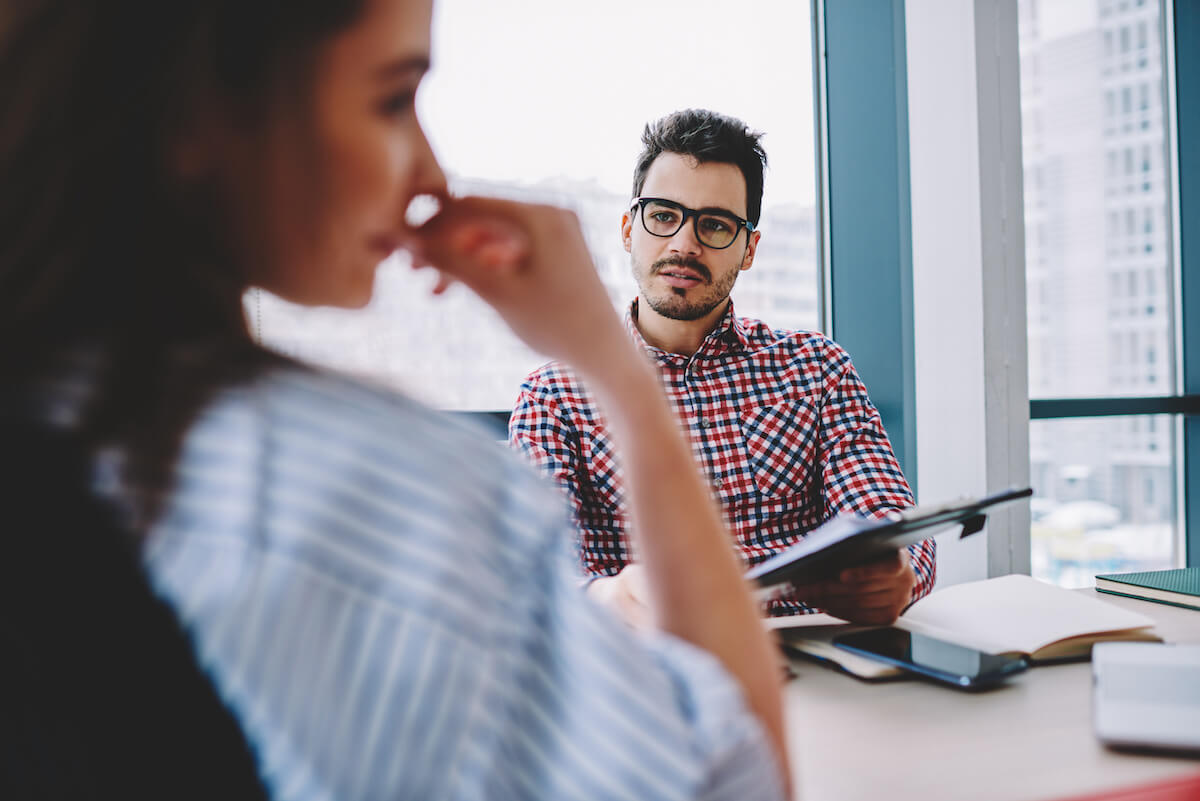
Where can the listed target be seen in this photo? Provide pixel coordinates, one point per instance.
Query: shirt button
(717, 483)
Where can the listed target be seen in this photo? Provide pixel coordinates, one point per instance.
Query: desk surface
(1028, 741)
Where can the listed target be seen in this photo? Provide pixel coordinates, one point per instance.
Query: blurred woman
(382, 597)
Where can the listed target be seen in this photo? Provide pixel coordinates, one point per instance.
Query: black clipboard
(849, 540)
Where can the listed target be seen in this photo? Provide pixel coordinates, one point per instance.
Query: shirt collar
(728, 335)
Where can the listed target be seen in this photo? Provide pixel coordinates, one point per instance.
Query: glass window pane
(546, 101)
(1105, 497)
(1101, 248)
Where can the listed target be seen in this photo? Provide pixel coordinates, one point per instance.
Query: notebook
(1021, 615)
(1147, 695)
(810, 637)
(1006, 615)
(1175, 587)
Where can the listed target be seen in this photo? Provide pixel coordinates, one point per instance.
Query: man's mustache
(679, 261)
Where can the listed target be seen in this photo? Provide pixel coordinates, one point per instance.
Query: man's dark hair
(707, 137)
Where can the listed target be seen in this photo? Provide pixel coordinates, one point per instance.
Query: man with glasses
(779, 421)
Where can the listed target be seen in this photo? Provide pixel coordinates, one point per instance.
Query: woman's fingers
(472, 239)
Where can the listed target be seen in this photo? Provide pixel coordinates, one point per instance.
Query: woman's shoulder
(356, 485)
(340, 445)
(346, 414)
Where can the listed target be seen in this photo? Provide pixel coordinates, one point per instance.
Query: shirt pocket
(781, 441)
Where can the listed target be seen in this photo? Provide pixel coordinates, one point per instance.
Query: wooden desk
(1028, 741)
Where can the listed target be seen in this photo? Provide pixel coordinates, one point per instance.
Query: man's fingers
(885, 612)
(854, 610)
(891, 565)
(808, 590)
(849, 589)
(875, 618)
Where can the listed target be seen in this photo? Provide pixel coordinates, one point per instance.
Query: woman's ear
(196, 145)
(188, 159)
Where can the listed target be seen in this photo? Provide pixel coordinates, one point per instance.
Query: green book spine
(1185, 580)
(1155, 600)
(1179, 587)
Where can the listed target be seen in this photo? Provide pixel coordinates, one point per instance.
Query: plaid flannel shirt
(779, 423)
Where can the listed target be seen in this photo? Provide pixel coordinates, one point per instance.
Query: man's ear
(627, 231)
(751, 249)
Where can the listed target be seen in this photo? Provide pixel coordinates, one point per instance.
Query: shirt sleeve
(860, 474)
(541, 433)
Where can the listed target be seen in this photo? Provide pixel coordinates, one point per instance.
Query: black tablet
(932, 658)
(849, 540)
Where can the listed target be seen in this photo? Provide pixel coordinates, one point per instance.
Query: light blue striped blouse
(387, 601)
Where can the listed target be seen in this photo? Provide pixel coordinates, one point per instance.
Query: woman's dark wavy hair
(707, 137)
(99, 243)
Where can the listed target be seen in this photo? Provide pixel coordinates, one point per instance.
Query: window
(1106, 498)
(546, 104)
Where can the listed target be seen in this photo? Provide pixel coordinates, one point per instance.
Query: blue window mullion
(1187, 104)
(868, 207)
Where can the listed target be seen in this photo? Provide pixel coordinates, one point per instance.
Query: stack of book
(1007, 615)
(1175, 587)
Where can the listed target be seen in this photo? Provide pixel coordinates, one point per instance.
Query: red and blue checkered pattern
(779, 422)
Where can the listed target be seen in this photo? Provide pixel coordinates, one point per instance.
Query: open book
(1021, 615)
(1010, 614)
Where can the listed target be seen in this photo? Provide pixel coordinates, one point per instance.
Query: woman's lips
(383, 245)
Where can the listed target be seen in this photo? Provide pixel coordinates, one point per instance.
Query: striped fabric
(779, 422)
(386, 601)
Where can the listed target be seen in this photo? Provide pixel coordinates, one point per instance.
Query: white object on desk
(1030, 740)
(1147, 695)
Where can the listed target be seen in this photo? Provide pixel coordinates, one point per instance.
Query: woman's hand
(532, 265)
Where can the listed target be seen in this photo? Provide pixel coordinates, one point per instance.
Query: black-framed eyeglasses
(714, 229)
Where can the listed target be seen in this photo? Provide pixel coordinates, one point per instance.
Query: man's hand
(874, 593)
(624, 594)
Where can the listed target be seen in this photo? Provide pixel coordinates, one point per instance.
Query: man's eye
(664, 216)
(716, 225)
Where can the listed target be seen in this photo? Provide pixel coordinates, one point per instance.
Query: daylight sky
(528, 89)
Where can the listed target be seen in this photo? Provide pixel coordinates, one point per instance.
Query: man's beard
(675, 305)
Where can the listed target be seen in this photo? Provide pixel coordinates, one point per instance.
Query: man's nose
(684, 241)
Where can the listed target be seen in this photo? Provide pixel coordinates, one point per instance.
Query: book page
(803, 621)
(1013, 614)
(861, 666)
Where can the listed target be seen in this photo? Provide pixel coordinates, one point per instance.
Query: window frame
(861, 115)
(984, 23)
(1182, 68)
